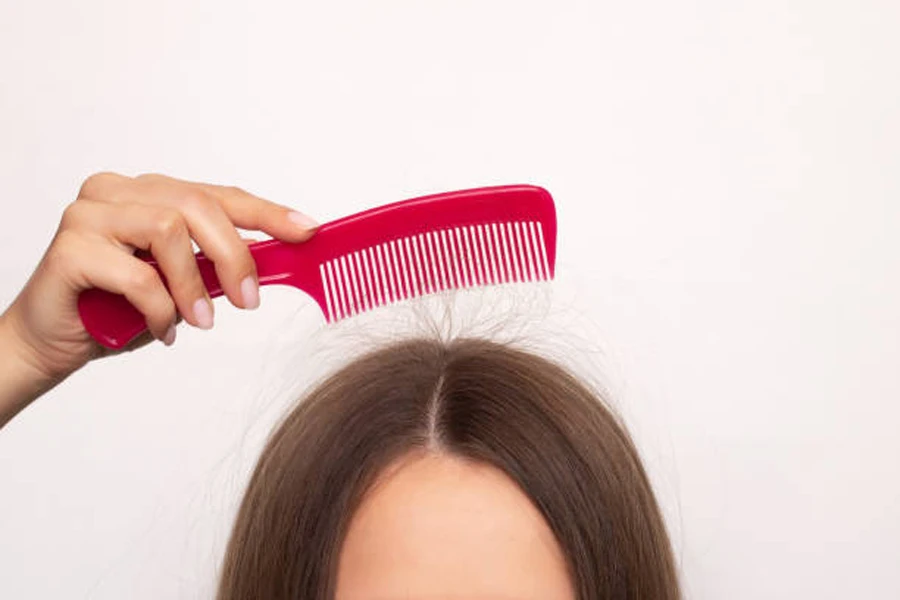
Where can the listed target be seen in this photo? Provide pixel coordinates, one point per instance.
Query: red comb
(402, 250)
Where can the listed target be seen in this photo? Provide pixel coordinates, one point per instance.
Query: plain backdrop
(727, 183)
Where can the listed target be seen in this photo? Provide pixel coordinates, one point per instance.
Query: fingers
(207, 223)
(163, 232)
(214, 232)
(100, 186)
(245, 210)
(252, 212)
(162, 214)
(102, 265)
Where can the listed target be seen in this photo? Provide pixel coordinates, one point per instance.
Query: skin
(436, 527)
(42, 340)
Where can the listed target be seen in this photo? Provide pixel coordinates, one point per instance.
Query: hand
(112, 218)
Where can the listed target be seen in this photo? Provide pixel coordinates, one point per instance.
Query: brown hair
(471, 398)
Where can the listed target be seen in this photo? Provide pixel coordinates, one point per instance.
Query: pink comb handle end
(110, 318)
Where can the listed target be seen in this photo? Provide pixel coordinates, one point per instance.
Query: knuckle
(170, 225)
(195, 200)
(72, 216)
(94, 184)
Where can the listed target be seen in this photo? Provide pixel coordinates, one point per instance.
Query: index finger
(249, 211)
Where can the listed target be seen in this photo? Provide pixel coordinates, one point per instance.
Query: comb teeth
(432, 262)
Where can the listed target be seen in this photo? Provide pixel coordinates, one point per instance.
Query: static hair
(470, 398)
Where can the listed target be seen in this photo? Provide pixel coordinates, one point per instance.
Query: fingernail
(250, 292)
(302, 220)
(203, 313)
(169, 338)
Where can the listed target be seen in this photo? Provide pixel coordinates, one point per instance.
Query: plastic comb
(411, 248)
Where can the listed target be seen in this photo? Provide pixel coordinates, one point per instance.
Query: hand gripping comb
(383, 255)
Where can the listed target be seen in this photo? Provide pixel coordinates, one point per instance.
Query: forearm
(21, 382)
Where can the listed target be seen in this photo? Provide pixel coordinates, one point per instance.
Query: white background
(728, 190)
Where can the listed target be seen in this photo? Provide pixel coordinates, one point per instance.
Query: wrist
(21, 379)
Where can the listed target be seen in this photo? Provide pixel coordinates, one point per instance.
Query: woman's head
(452, 470)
